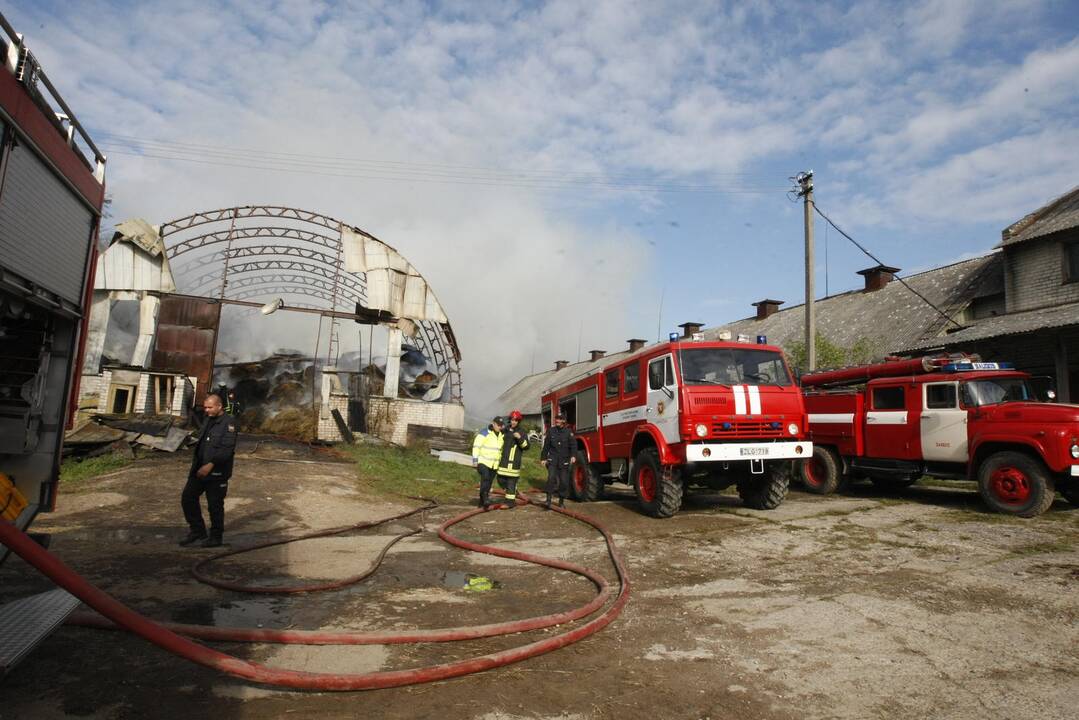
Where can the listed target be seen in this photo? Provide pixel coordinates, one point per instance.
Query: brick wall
(389, 418)
(144, 399)
(1034, 273)
(327, 426)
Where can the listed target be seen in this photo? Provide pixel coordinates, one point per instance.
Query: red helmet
(516, 415)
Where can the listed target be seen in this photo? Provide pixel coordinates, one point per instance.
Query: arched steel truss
(268, 251)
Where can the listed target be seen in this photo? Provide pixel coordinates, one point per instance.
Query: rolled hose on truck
(170, 636)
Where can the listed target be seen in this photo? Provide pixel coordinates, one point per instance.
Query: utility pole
(805, 191)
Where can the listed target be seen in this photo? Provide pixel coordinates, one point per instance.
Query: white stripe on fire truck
(847, 418)
(754, 399)
(739, 399)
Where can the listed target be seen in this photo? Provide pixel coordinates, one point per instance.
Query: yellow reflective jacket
(487, 448)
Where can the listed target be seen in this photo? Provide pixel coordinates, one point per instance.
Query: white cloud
(892, 107)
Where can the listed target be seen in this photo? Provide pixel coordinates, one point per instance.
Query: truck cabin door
(662, 410)
(887, 431)
(943, 423)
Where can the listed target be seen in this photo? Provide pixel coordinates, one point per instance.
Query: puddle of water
(460, 580)
(256, 613)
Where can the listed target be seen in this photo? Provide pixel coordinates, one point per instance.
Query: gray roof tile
(1060, 214)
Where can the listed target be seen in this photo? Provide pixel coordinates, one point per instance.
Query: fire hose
(171, 637)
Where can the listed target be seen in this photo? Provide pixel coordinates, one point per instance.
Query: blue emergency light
(972, 366)
(673, 336)
(762, 339)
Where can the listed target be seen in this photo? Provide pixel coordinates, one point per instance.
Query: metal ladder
(25, 623)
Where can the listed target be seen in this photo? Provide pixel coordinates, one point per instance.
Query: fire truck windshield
(993, 391)
(729, 366)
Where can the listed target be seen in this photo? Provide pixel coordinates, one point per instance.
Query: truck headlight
(701, 429)
(1075, 451)
(792, 429)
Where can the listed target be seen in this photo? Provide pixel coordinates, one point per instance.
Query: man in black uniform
(211, 468)
(557, 455)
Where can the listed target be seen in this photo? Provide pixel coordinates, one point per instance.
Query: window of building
(889, 398)
(611, 378)
(632, 379)
(1071, 262)
(940, 396)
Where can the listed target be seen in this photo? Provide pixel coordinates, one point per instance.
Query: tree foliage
(830, 355)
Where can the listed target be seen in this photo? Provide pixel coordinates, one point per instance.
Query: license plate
(750, 452)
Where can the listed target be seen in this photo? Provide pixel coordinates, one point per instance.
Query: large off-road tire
(766, 492)
(1015, 483)
(585, 484)
(820, 473)
(659, 489)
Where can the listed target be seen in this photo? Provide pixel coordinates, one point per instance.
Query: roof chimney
(636, 344)
(597, 354)
(878, 276)
(767, 308)
(688, 328)
(559, 364)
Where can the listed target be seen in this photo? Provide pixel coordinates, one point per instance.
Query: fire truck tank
(892, 367)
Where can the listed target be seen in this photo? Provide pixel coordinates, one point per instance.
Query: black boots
(547, 505)
(561, 501)
(192, 537)
(211, 542)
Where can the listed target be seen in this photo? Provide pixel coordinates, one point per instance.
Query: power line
(874, 258)
(407, 172)
(257, 153)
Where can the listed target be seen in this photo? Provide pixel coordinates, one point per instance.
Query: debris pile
(103, 434)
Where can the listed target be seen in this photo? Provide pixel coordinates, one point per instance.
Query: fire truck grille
(754, 428)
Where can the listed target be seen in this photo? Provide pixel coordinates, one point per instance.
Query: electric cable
(879, 262)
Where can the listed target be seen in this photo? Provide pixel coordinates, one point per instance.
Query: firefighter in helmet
(515, 442)
(486, 452)
(557, 456)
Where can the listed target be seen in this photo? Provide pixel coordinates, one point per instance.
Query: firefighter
(557, 455)
(509, 466)
(486, 452)
(232, 405)
(211, 468)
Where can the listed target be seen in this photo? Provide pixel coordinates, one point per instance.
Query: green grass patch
(415, 472)
(73, 472)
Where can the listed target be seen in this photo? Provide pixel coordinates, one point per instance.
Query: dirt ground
(918, 604)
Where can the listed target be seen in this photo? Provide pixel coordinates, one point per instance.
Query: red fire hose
(161, 635)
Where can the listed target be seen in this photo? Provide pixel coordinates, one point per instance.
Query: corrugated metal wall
(44, 228)
(186, 329)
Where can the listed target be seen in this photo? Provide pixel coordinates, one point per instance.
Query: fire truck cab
(712, 413)
(949, 417)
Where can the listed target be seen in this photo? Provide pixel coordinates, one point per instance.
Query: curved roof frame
(303, 258)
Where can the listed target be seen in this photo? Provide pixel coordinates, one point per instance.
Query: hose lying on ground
(168, 639)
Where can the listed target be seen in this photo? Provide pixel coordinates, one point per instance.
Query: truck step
(25, 623)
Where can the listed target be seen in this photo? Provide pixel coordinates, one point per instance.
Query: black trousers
(509, 484)
(558, 478)
(487, 476)
(216, 488)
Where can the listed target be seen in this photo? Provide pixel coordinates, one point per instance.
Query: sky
(568, 175)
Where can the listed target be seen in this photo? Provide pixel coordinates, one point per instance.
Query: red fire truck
(52, 189)
(712, 413)
(949, 417)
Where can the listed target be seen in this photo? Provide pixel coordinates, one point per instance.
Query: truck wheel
(658, 492)
(765, 492)
(1015, 483)
(585, 483)
(820, 473)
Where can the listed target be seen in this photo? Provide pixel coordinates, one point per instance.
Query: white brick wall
(327, 426)
(1034, 274)
(389, 418)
